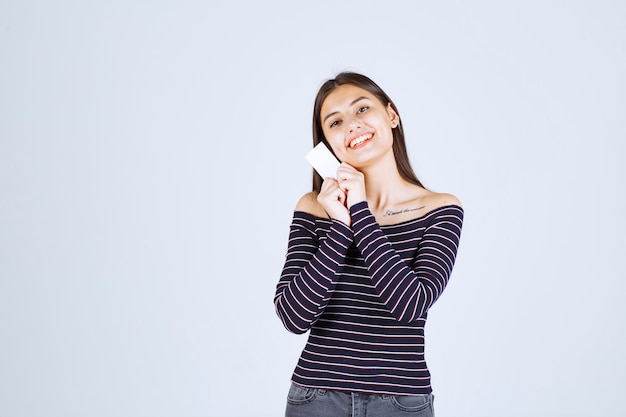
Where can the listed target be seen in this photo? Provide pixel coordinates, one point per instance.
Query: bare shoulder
(308, 203)
(436, 200)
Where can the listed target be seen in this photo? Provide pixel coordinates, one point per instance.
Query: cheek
(334, 138)
(337, 148)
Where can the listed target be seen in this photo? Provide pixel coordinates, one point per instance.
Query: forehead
(343, 96)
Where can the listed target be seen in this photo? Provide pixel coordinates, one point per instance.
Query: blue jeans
(314, 402)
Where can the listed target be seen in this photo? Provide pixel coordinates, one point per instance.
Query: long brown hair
(361, 81)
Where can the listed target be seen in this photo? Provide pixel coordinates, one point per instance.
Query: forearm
(408, 290)
(308, 277)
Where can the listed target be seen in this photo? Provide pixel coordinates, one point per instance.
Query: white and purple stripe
(364, 294)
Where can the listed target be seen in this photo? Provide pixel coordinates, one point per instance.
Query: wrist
(357, 207)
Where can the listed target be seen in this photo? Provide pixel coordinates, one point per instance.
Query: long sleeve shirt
(364, 292)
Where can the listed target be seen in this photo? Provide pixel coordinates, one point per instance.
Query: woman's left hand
(352, 183)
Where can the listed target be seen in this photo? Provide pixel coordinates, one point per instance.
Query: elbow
(292, 322)
(292, 327)
(408, 319)
(295, 330)
(413, 306)
(411, 311)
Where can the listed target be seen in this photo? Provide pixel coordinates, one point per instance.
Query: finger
(346, 173)
(328, 183)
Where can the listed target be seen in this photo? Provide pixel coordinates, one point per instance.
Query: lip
(359, 140)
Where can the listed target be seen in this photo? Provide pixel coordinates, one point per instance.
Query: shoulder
(437, 200)
(308, 203)
(445, 206)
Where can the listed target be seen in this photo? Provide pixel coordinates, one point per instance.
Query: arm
(308, 277)
(409, 291)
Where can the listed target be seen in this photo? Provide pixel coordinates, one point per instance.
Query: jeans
(314, 402)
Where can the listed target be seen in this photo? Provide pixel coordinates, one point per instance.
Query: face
(357, 125)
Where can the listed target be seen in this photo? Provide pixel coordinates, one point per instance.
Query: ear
(393, 116)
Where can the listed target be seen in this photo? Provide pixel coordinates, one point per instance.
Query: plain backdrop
(152, 153)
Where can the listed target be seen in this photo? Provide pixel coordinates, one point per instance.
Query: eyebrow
(351, 104)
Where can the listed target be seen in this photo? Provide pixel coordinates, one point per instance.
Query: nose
(353, 124)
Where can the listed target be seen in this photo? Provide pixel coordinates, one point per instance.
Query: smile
(359, 140)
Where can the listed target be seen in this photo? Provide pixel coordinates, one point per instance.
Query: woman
(368, 254)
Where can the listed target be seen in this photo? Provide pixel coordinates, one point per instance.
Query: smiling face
(357, 125)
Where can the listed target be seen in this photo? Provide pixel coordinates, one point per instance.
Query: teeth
(360, 140)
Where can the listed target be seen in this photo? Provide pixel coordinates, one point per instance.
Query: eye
(334, 123)
(362, 109)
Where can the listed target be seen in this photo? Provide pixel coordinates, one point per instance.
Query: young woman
(368, 254)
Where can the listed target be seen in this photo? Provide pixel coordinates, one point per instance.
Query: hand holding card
(323, 161)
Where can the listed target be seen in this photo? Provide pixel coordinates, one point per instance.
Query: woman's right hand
(333, 199)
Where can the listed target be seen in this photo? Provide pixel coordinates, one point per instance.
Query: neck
(383, 185)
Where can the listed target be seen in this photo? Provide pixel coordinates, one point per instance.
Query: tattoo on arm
(406, 210)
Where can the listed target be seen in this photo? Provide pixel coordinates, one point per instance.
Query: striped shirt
(364, 293)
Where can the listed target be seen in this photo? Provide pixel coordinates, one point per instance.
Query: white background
(152, 152)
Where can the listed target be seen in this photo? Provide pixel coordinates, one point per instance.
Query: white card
(323, 161)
